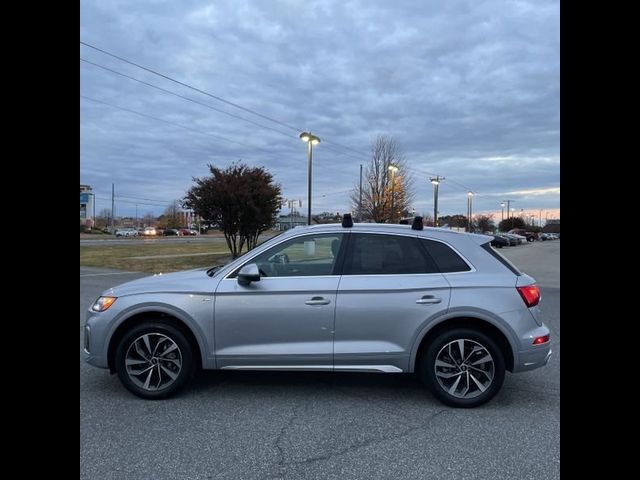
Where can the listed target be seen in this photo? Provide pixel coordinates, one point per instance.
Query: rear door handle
(428, 300)
(318, 301)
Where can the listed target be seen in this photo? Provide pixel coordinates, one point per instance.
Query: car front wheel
(154, 360)
(463, 368)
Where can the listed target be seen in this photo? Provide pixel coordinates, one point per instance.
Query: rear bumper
(534, 358)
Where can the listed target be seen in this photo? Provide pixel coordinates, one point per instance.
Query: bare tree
(379, 195)
(171, 217)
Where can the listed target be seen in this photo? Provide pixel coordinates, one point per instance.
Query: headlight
(103, 303)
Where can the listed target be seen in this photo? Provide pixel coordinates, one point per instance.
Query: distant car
(150, 231)
(126, 232)
(512, 238)
(363, 297)
(521, 238)
(187, 231)
(169, 232)
(530, 236)
(499, 241)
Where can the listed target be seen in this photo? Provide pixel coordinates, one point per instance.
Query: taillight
(530, 294)
(541, 340)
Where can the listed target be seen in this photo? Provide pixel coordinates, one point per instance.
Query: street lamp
(502, 211)
(435, 181)
(393, 169)
(311, 141)
(469, 208)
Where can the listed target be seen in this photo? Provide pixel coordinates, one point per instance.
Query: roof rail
(417, 224)
(347, 221)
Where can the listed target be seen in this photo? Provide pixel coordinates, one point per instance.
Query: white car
(126, 232)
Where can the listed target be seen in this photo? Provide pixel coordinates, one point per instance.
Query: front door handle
(318, 301)
(428, 300)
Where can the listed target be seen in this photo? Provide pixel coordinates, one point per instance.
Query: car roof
(430, 232)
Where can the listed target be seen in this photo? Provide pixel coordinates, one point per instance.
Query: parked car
(168, 232)
(187, 231)
(529, 236)
(364, 297)
(126, 232)
(499, 241)
(512, 239)
(150, 231)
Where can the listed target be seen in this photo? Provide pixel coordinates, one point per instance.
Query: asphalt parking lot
(267, 425)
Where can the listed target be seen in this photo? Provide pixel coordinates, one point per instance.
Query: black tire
(473, 339)
(178, 361)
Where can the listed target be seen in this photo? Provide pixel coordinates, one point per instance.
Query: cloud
(469, 90)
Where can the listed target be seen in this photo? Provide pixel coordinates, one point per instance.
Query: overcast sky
(469, 90)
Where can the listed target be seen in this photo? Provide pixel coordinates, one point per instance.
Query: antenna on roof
(417, 224)
(347, 221)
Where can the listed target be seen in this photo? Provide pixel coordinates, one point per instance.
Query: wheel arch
(157, 314)
(483, 323)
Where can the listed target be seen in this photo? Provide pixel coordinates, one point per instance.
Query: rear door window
(380, 254)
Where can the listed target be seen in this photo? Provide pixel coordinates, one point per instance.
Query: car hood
(190, 281)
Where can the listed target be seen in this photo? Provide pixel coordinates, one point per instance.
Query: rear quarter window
(447, 260)
(492, 251)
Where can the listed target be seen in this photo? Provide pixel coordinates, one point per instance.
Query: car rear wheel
(463, 368)
(154, 360)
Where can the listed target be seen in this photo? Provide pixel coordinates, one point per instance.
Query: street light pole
(502, 211)
(311, 141)
(508, 202)
(393, 169)
(436, 182)
(360, 199)
(469, 209)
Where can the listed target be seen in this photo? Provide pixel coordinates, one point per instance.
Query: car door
(389, 290)
(285, 320)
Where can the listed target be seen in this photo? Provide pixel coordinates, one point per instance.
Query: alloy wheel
(153, 361)
(464, 368)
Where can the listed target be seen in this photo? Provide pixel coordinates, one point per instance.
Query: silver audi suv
(350, 297)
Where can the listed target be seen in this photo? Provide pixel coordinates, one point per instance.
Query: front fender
(197, 326)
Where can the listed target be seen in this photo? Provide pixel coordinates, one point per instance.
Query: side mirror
(247, 274)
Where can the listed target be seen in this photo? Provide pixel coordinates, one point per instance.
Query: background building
(87, 206)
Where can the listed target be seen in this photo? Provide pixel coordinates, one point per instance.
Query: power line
(220, 99)
(172, 123)
(216, 97)
(143, 198)
(217, 109)
(185, 98)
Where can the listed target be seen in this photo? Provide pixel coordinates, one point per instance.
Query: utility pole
(436, 182)
(508, 202)
(540, 218)
(360, 200)
(469, 209)
(136, 221)
(113, 213)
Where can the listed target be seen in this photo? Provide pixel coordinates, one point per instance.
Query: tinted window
(447, 260)
(487, 246)
(371, 254)
(311, 255)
